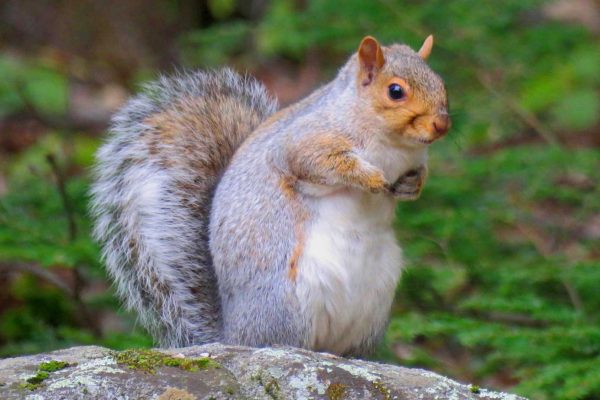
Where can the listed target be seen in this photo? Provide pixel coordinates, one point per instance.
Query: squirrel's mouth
(424, 141)
(411, 141)
(413, 138)
(418, 135)
(420, 140)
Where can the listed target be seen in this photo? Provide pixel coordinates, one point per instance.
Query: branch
(527, 117)
(55, 281)
(513, 319)
(79, 282)
(40, 272)
(61, 187)
(63, 123)
(545, 250)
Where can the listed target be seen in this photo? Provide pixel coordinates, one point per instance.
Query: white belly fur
(351, 263)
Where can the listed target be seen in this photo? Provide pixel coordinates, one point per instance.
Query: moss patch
(230, 390)
(335, 391)
(29, 386)
(474, 389)
(52, 366)
(150, 360)
(272, 388)
(381, 388)
(270, 384)
(35, 381)
(38, 378)
(43, 373)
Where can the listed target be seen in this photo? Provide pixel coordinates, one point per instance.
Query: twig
(60, 185)
(64, 123)
(545, 250)
(528, 118)
(38, 271)
(79, 282)
(511, 318)
(573, 295)
(537, 239)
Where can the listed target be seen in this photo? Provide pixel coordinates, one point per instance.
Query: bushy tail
(155, 177)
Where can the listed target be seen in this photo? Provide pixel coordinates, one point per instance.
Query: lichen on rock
(336, 391)
(228, 372)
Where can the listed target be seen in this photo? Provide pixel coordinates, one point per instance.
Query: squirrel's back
(155, 178)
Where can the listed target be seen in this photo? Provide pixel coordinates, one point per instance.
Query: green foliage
(35, 235)
(221, 8)
(218, 47)
(494, 271)
(478, 45)
(502, 255)
(35, 210)
(478, 282)
(31, 84)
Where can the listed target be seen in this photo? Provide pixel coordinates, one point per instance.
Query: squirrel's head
(407, 96)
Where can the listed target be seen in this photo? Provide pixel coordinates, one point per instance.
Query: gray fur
(154, 243)
(252, 235)
(199, 242)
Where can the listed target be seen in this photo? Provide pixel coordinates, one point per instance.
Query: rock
(217, 371)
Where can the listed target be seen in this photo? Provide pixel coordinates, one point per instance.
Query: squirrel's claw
(409, 186)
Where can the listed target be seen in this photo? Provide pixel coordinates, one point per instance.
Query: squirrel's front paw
(408, 187)
(377, 183)
(369, 178)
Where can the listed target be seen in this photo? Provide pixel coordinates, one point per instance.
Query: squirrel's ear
(370, 58)
(425, 49)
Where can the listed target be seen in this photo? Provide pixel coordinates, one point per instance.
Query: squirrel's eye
(396, 92)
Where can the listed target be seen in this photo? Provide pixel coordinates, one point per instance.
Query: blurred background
(503, 247)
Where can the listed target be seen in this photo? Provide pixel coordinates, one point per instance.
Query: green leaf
(578, 110)
(10, 101)
(221, 9)
(544, 90)
(45, 89)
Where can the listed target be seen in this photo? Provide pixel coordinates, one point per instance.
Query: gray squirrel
(222, 219)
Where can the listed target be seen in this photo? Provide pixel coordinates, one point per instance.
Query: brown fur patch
(329, 158)
(277, 116)
(374, 182)
(324, 158)
(287, 185)
(296, 253)
(340, 164)
(194, 129)
(165, 123)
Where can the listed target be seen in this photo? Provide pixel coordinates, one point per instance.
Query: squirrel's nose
(441, 124)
